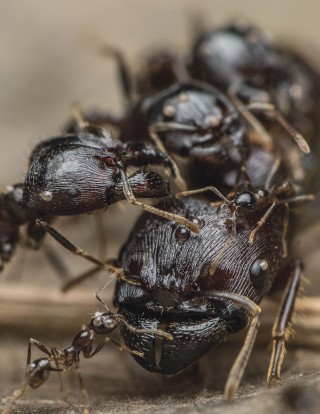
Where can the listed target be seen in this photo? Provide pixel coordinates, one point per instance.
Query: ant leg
(272, 173)
(120, 346)
(261, 136)
(180, 70)
(202, 190)
(158, 127)
(89, 273)
(281, 327)
(156, 332)
(36, 373)
(124, 73)
(273, 111)
(89, 120)
(285, 230)
(14, 397)
(78, 116)
(39, 345)
(298, 199)
(140, 154)
(83, 390)
(71, 247)
(261, 222)
(120, 319)
(154, 210)
(241, 361)
(56, 262)
(169, 126)
(101, 234)
(80, 278)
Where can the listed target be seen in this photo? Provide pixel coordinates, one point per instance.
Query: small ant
(60, 360)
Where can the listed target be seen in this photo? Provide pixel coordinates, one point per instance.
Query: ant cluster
(234, 121)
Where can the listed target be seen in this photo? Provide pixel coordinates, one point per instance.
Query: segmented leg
(73, 248)
(281, 327)
(240, 363)
(154, 210)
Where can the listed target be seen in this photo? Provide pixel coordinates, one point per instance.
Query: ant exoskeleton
(76, 174)
(242, 59)
(204, 287)
(59, 360)
(12, 216)
(197, 122)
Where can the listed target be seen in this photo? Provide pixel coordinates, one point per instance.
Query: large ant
(199, 123)
(242, 59)
(75, 174)
(204, 287)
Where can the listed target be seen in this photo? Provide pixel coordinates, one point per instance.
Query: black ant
(59, 360)
(199, 123)
(242, 59)
(204, 287)
(76, 174)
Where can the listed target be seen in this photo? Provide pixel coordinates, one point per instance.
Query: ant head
(103, 323)
(247, 198)
(72, 174)
(244, 199)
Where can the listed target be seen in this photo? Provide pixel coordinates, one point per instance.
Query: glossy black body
(81, 172)
(242, 56)
(12, 216)
(75, 174)
(216, 139)
(172, 269)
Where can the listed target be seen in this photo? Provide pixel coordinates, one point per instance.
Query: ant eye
(108, 322)
(182, 234)
(259, 273)
(262, 193)
(107, 161)
(244, 199)
(97, 320)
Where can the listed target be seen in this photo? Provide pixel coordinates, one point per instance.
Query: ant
(59, 360)
(258, 70)
(203, 287)
(198, 123)
(75, 174)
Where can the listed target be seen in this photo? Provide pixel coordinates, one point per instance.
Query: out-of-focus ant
(59, 360)
(202, 288)
(242, 59)
(199, 123)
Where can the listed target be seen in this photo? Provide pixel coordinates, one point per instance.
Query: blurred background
(49, 60)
